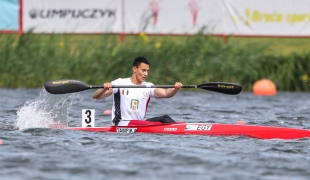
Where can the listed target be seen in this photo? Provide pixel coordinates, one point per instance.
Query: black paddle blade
(222, 87)
(64, 86)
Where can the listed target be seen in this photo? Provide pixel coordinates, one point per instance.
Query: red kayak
(261, 132)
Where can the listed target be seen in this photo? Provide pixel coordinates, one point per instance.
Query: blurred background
(191, 41)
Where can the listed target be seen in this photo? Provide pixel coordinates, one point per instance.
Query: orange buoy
(106, 112)
(241, 122)
(264, 87)
(1, 142)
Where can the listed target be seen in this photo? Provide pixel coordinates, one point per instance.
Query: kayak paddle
(64, 86)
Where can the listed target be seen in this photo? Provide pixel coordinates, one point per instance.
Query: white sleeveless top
(130, 103)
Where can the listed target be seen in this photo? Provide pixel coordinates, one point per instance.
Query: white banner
(172, 16)
(72, 16)
(267, 17)
(178, 17)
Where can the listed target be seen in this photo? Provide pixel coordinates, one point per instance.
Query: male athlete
(130, 104)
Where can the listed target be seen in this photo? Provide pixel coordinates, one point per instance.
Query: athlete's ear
(134, 68)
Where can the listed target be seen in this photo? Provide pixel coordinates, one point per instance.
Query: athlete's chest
(135, 93)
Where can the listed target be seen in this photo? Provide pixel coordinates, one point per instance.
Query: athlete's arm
(103, 92)
(167, 93)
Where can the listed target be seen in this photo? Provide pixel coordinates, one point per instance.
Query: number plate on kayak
(205, 127)
(126, 130)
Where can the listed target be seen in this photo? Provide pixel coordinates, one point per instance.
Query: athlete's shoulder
(120, 81)
(147, 83)
(151, 90)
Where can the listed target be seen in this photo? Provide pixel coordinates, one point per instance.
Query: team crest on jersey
(125, 91)
(134, 104)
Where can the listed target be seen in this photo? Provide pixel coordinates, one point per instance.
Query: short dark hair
(140, 60)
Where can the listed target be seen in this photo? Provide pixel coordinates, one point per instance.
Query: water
(37, 152)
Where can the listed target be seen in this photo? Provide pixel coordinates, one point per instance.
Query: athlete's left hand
(178, 86)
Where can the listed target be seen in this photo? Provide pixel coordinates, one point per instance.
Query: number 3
(88, 113)
(88, 118)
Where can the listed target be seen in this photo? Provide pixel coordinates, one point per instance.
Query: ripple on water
(36, 152)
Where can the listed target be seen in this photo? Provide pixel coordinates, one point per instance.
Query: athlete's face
(141, 72)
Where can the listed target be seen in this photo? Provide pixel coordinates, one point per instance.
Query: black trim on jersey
(117, 106)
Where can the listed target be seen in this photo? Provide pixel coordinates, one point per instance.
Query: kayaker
(130, 104)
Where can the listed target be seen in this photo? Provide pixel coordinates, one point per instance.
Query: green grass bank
(33, 59)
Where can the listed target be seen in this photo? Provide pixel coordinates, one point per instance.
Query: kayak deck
(261, 132)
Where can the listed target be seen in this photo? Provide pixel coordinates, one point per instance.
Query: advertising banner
(172, 16)
(72, 16)
(267, 17)
(9, 15)
(177, 17)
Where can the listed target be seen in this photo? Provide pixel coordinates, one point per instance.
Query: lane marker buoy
(107, 112)
(241, 122)
(264, 87)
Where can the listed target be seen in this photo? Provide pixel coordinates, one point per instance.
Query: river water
(34, 151)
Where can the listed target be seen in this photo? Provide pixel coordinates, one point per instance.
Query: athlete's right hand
(107, 86)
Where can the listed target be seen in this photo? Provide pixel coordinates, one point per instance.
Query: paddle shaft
(143, 86)
(64, 86)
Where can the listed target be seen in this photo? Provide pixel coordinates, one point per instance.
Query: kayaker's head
(140, 69)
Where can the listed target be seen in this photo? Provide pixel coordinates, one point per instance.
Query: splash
(46, 110)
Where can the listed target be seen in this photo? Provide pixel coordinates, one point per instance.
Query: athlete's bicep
(159, 93)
